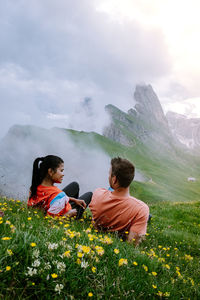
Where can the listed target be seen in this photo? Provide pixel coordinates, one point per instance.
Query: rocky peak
(148, 105)
(187, 130)
(144, 123)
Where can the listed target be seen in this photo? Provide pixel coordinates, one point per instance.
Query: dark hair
(40, 170)
(124, 171)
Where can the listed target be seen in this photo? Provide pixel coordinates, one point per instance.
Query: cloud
(54, 54)
(24, 144)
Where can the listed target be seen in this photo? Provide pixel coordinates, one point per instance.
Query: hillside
(48, 258)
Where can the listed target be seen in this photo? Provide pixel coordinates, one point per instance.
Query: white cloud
(54, 54)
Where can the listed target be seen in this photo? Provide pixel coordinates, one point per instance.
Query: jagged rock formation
(186, 130)
(148, 105)
(145, 122)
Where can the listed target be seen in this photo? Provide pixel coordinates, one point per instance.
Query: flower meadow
(60, 258)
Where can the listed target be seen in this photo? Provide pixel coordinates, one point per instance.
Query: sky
(62, 61)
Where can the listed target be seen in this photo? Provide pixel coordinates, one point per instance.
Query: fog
(23, 144)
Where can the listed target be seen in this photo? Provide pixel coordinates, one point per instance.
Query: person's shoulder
(50, 189)
(138, 201)
(100, 190)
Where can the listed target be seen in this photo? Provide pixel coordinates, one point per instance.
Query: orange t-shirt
(52, 199)
(118, 213)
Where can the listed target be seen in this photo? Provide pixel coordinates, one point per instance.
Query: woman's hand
(79, 202)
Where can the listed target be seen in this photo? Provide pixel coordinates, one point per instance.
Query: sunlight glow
(178, 21)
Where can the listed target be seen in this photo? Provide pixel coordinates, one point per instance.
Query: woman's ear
(50, 172)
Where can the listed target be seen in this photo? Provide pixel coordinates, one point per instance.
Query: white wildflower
(31, 271)
(84, 264)
(61, 266)
(36, 263)
(59, 287)
(62, 243)
(36, 253)
(48, 277)
(52, 246)
(47, 266)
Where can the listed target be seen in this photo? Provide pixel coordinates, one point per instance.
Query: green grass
(166, 265)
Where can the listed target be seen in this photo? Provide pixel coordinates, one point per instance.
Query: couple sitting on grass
(112, 210)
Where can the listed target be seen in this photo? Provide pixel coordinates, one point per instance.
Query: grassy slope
(166, 265)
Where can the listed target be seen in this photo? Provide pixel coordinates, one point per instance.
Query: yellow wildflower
(6, 238)
(67, 253)
(33, 244)
(135, 263)
(154, 273)
(90, 294)
(9, 251)
(94, 269)
(85, 249)
(29, 219)
(116, 251)
(99, 250)
(122, 262)
(79, 254)
(8, 268)
(145, 268)
(188, 257)
(78, 261)
(54, 275)
(154, 286)
(167, 266)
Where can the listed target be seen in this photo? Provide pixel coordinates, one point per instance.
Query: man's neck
(122, 192)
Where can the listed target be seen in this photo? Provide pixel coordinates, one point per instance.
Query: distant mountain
(144, 123)
(186, 130)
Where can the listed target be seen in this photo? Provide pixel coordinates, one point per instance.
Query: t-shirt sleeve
(59, 205)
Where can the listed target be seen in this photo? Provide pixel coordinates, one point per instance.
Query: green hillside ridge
(168, 171)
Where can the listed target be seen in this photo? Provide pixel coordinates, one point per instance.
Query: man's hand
(79, 202)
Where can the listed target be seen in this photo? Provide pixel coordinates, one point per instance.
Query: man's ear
(114, 179)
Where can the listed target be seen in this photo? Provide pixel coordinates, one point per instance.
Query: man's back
(116, 213)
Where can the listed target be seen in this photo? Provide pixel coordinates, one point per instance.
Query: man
(116, 210)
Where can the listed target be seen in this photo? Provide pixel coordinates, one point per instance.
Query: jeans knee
(75, 185)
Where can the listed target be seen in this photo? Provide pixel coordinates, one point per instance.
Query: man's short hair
(124, 171)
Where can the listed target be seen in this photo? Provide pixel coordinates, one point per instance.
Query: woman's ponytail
(40, 170)
(36, 178)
